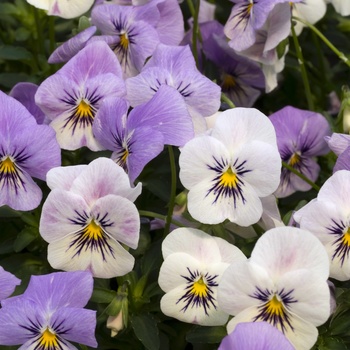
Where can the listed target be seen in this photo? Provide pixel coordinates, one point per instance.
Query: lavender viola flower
(71, 97)
(246, 18)
(175, 66)
(8, 283)
(340, 145)
(26, 150)
(50, 314)
(255, 336)
(300, 138)
(241, 79)
(71, 47)
(140, 136)
(130, 32)
(24, 93)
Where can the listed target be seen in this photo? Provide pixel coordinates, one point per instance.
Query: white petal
(209, 208)
(285, 249)
(229, 252)
(63, 256)
(69, 8)
(235, 127)
(196, 243)
(63, 177)
(239, 281)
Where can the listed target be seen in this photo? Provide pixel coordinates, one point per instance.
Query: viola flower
(327, 217)
(175, 66)
(300, 138)
(86, 217)
(193, 265)
(241, 79)
(340, 145)
(8, 283)
(284, 283)
(63, 8)
(26, 150)
(255, 336)
(71, 47)
(71, 97)
(247, 17)
(130, 32)
(138, 137)
(50, 314)
(228, 170)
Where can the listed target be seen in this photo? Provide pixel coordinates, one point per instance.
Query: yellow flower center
(275, 307)
(93, 231)
(228, 82)
(346, 238)
(294, 159)
(124, 41)
(7, 166)
(249, 8)
(48, 340)
(200, 288)
(84, 110)
(228, 179)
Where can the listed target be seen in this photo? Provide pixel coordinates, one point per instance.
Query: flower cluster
(174, 175)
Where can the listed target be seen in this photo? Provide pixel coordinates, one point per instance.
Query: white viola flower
(327, 217)
(230, 169)
(283, 283)
(192, 269)
(310, 11)
(63, 8)
(87, 217)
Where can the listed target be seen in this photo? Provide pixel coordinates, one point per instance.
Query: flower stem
(325, 40)
(303, 70)
(195, 30)
(224, 98)
(297, 173)
(172, 191)
(151, 214)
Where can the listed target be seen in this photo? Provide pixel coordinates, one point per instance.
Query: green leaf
(15, 53)
(24, 238)
(333, 344)
(8, 80)
(84, 23)
(100, 295)
(281, 47)
(146, 330)
(207, 335)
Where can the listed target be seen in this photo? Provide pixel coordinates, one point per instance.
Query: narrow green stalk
(40, 41)
(303, 177)
(172, 191)
(325, 40)
(52, 33)
(303, 70)
(151, 214)
(195, 30)
(224, 98)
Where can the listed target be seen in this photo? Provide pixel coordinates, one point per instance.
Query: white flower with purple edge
(86, 217)
(283, 283)
(193, 265)
(228, 170)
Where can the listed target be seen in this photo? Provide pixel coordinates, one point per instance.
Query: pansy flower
(327, 217)
(87, 217)
(192, 269)
(176, 67)
(26, 150)
(300, 138)
(71, 97)
(50, 314)
(130, 32)
(284, 283)
(228, 170)
(138, 137)
(255, 336)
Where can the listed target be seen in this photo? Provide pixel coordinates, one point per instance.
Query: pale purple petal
(343, 161)
(255, 336)
(71, 47)
(8, 283)
(338, 143)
